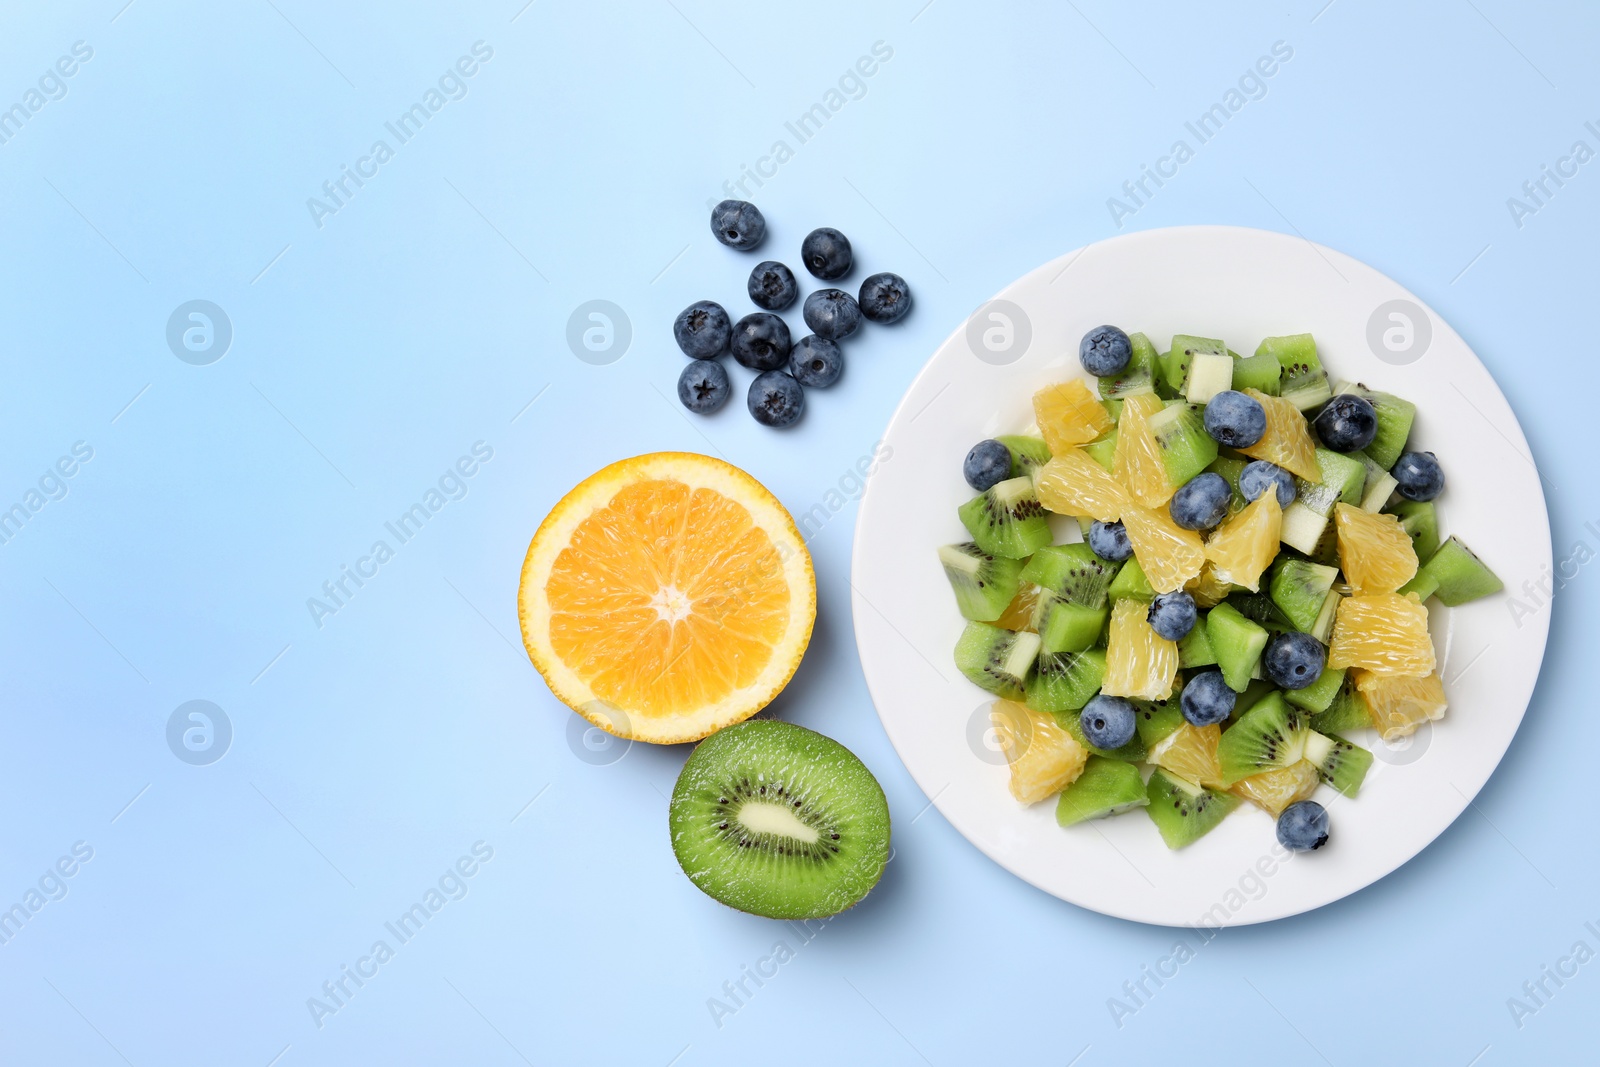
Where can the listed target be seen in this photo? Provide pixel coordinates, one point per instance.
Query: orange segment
(1069, 415)
(1170, 555)
(1287, 441)
(667, 596)
(1136, 460)
(1400, 705)
(1190, 752)
(1019, 613)
(1139, 662)
(1072, 483)
(1207, 589)
(1244, 546)
(1274, 790)
(1375, 552)
(1384, 633)
(1044, 758)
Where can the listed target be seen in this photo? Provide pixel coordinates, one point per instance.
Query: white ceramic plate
(1240, 285)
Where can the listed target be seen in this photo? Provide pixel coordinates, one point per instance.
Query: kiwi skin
(780, 766)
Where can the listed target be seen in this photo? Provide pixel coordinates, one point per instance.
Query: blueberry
(1303, 826)
(1259, 476)
(1419, 475)
(703, 386)
(832, 313)
(1172, 615)
(702, 330)
(1207, 699)
(772, 286)
(738, 224)
(816, 362)
(885, 298)
(826, 253)
(776, 399)
(1293, 660)
(1202, 502)
(1104, 351)
(761, 341)
(1347, 423)
(1109, 540)
(988, 463)
(1107, 721)
(1234, 419)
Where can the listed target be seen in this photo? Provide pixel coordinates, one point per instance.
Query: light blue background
(368, 354)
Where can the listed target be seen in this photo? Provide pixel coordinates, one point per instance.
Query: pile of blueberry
(761, 341)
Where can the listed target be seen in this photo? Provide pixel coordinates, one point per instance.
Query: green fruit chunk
(1157, 718)
(1132, 752)
(1348, 711)
(1338, 762)
(1131, 582)
(1395, 417)
(1236, 642)
(1106, 787)
(1321, 693)
(1418, 518)
(983, 584)
(1007, 519)
(1271, 734)
(1304, 383)
(1138, 376)
(1457, 574)
(1180, 434)
(1027, 453)
(1261, 372)
(995, 659)
(1194, 650)
(1065, 681)
(1299, 587)
(1071, 572)
(1184, 812)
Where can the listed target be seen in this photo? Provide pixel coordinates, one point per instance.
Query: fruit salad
(1257, 549)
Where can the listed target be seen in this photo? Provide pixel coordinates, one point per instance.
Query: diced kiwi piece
(1194, 650)
(777, 820)
(1072, 722)
(1460, 576)
(1063, 626)
(1182, 811)
(1113, 406)
(1027, 453)
(1339, 763)
(1418, 519)
(1254, 693)
(1260, 609)
(1007, 519)
(1176, 362)
(1298, 587)
(1261, 372)
(1138, 376)
(1103, 449)
(1304, 383)
(1071, 572)
(1158, 718)
(984, 584)
(1322, 629)
(1317, 696)
(995, 659)
(1231, 467)
(1131, 582)
(1395, 417)
(1271, 734)
(1348, 710)
(1342, 480)
(1065, 681)
(1303, 528)
(1180, 433)
(1104, 787)
(1236, 642)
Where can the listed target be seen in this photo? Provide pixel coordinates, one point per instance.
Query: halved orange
(667, 596)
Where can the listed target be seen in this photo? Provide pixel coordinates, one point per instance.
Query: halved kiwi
(780, 821)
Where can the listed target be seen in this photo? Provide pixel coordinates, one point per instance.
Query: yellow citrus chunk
(1375, 552)
(1287, 441)
(1207, 589)
(1140, 663)
(1243, 548)
(1384, 633)
(1069, 415)
(1274, 790)
(1044, 758)
(1072, 483)
(1136, 460)
(1019, 613)
(1400, 705)
(667, 596)
(1191, 753)
(1170, 555)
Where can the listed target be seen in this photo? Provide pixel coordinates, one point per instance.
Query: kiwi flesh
(1395, 417)
(1299, 587)
(1421, 522)
(1320, 694)
(1131, 582)
(1338, 762)
(995, 659)
(984, 584)
(1157, 718)
(1457, 574)
(1071, 572)
(1194, 649)
(1271, 734)
(777, 820)
(1175, 365)
(1065, 681)
(1103, 449)
(1304, 383)
(1231, 467)
(1237, 642)
(1343, 478)
(1182, 811)
(1260, 372)
(1106, 787)
(1348, 710)
(1007, 519)
(1027, 453)
(1180, 434)
(1138, 376)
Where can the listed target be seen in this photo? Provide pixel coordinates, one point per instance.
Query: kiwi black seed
(779, 821)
